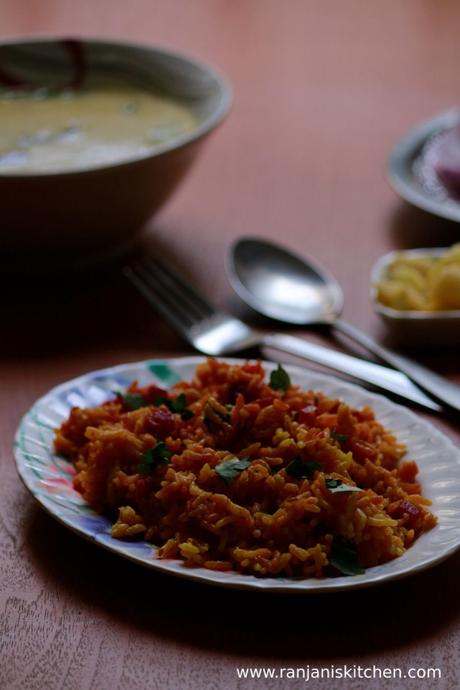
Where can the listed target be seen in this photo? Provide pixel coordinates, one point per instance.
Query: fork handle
(383, 377)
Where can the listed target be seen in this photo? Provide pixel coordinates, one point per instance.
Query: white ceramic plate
(404, 164)
(49, 477)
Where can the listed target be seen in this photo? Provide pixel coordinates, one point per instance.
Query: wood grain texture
(322, 91)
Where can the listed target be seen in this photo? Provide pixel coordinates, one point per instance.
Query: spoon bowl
(281, 285)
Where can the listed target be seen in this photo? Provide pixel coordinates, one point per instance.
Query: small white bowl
(419, 328)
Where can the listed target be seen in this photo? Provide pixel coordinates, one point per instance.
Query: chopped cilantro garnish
(231, 468)
(178, 405)
(158, 455)
(344, 557)
(341, 438)
(134, 400)
(337, 486)
(279, 379)
(186, 414)
(302, 470)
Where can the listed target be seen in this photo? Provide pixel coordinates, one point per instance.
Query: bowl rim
(378, 271)
(203, 128)
(398, 166)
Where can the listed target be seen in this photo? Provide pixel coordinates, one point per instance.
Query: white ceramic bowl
(418, 328)
(75, 213)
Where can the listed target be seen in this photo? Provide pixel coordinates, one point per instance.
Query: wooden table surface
(322, 92)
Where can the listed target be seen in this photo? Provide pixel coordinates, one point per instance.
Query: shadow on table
(67, 311)
(62, 311)
(243, 623)
(411, 228)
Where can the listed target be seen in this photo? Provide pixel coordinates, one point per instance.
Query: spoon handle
(439, 387)
(377, 375)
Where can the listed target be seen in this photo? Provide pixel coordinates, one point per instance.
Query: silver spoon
(285, 287)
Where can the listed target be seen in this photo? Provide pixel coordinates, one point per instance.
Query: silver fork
(215, 332)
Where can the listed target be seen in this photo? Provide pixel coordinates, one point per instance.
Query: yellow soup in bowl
(46, 132)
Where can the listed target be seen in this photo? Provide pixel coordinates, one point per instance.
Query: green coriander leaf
(178, 405)
(344, 557)
(341, 438)
(134, 400)
(302, 470)
(162, 400)
(186, 414)
(158, 455)
(148, 463)
(279, 379)
(231, 468)
(161, 452)
(337, 486)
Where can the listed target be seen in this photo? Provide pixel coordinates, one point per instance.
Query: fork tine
(175, 283)
(171, 298)
(173, 294)
(175, 299)
(156, 300)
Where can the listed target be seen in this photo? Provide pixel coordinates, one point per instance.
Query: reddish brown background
(322, 91)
